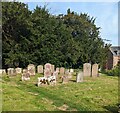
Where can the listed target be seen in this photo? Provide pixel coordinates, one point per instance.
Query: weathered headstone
(52, 68)
(25, 76)
(79, 77)
(0, 71)
(11, 71)
(40, 69)
(47, 73)
(47, 66)
(25, 70)
(31, 69)
(62, 70)
(67, 72)
(18, 70)
(3, 71)
(65, 79)
(87, 69)
(94, 70)
(71, 70)
(58, 69)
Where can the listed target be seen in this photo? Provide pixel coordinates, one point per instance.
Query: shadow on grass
(73, 80)
(112, 109)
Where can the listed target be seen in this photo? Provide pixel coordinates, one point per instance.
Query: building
(113, 57)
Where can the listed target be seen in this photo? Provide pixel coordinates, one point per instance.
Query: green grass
(94, 94)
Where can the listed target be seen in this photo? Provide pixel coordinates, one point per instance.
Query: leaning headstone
(62, 70)
(87, 69)
(11, 71)
(65, 79)
(47, 66)
(94, 70)
(18, 70)
(47, 73)
(31, 69)
(79, 77)
(40, 69)
(52, 68)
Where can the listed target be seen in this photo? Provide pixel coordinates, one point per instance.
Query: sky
(106, 14)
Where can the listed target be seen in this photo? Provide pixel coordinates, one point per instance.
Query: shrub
(114, 72)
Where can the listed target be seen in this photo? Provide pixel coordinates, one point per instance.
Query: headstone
(40, 69)
(62, 70)
(24, 70)
(58, 69)
(11, 71)
(25, 76)
(65, 79)
(47, 66)
(79, 77)
(31, 69)
(71, 70)
(94, 70)
(3, 71)
(66, 71)
(18, 70)
(47, 73)
(87, 69)
(52, 68)
(0, 71)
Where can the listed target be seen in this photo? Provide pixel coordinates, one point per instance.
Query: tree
(87, 35)
(15, 31)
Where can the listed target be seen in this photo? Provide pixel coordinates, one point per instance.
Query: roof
(115, 50)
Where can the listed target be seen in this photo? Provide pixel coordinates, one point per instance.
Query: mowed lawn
(94, 94)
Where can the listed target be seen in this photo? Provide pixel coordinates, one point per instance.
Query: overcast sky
(106, 14)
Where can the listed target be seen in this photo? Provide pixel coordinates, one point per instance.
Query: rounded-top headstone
(87, 69)
(94, 70)
(31, 69)
(47, 66)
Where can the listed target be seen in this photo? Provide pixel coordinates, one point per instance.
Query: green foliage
(115, 71)
(38, 37)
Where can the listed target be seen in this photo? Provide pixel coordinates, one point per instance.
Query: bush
(114, 72)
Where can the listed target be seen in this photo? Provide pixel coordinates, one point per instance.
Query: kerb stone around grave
(87, 69)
